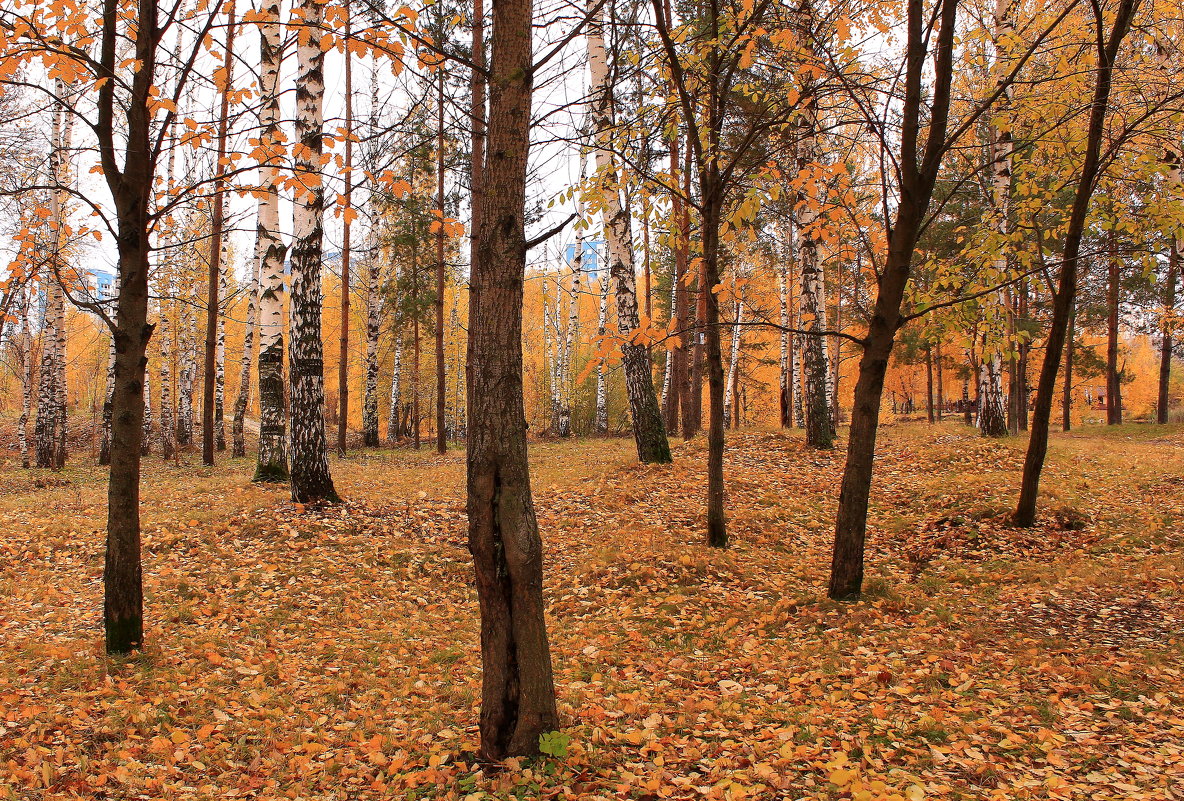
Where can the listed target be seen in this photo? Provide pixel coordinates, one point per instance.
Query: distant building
(332, 260)
(590, 261)
(100, 284)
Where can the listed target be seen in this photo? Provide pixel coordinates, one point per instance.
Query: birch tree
(649, 430)
(310, 478)
(272, 462)
(242, 400)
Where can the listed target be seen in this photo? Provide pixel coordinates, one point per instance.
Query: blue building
(594, 250)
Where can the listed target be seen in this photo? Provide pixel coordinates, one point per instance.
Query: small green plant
(554, 743)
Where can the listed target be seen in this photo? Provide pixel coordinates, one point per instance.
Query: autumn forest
(523, 399)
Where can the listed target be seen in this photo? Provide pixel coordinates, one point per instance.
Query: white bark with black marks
(272, 462)
(309, 472)
(649, 429)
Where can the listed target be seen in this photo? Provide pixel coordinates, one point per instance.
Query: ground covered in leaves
(333, 654)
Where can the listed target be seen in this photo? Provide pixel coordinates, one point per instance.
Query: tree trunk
(272, 463)
(571, 337)
(785, 384)
(941, 393)
(415, 343)
(917, 177)
(209, 418)
(717, 531)
(105, 430)
(929, 409)
(243, 399)
(310, 478)
(992, 417)
(25, 349)
(1067, 398)
(1113, 378)
(220, 360)
(393, 430)
(1167, 329)
(146, 439)
(649, 431)
(731, 391)
(600, 421)
(517, 692)
(346, 254)
(1025, 513)
(441, 386)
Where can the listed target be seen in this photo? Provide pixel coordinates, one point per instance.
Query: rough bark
(167, 424)
(210, 418)
(649, 430)
(600, 418)
(784, 384)
(1113, 374)
(272, 462)
(1107, 52)
(918, 173)
(346, 252)
(731, 397)
(220, 358)
(820, 431)
(517, 688)
(131, 188)
(25, 351)
(243, 399)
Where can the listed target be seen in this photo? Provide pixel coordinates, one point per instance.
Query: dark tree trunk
(941, 393)
(346, 260)
(131, 189)
(918, 175)
(441, 387)
(1165, 348)
(517, 692)
(1113, 378)
(929, 385)
(1067, 397)
(208, 416)
(1024, 347)
(717, 530)
(692, 419)
(1025, 513)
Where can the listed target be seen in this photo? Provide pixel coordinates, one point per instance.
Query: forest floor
(333, 654)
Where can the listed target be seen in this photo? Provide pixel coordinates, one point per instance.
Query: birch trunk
(393, 428)
(370, 436)
(570, 338)
(25, 348)
(785, 395)
(310, 478)
(649, 430)
(373, 312)
(168, 331)
(146, 442)
(243, 399)
(51, 411)
(220, 362)
(812, 304)
(213, 434)
(600, 421)
(167, 446)
(188, 365)
(733, 368)
(992, 419)
(272, 462)
(48, 397)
